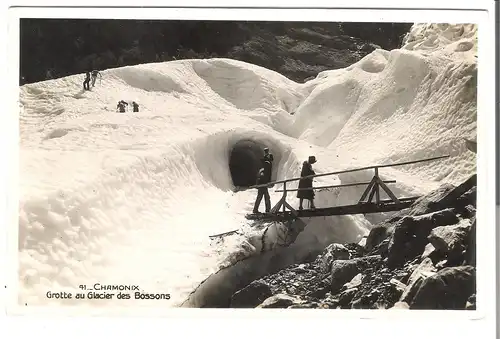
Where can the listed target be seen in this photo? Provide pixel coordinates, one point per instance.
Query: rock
(300, 269)
(468, 198)
(330, 305)
(252, 295)
(441, 264)
(443, 217)
(410, 235)
(320, 291)
(381, 249)
(346, 297)
(428, 250)
(367, 300)
(331, 253)
(305, 305)
(377, 234)
(355, 250)
(470, 253)
(423, 271)
(402, 276)
(398, 285)
(355, 282)
(449, 289)
(451, 240)
(401, 305)
(444, 197)
(343, 271)
(362, 242)
(279, 301)
(468, 212)
(471, 302)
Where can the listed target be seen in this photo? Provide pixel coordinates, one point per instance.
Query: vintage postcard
(252, 158)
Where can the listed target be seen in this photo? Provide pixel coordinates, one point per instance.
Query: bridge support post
(373, 189)
(283, 203)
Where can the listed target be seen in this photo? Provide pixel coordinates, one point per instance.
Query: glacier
(132, 198)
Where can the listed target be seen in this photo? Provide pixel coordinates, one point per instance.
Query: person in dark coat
(306, 184)
(122, 105)
(268, 156)
(263, 177)
(86, 82)
(135, 106)
(95, 73)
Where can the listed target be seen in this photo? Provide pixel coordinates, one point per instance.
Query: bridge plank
(361, 208)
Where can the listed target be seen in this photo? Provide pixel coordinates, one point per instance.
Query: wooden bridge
(282, 211)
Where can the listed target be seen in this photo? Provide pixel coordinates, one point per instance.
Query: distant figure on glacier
(94, 76)
(122, 106)
(306, 184)
(135, 106)
(86, 82)
(268, 156)
(263, 177)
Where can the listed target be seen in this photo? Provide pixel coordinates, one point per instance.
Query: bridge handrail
(349, 170)
(333, 186)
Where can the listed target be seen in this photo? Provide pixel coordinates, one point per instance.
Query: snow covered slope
(132, 198)
(401, 105)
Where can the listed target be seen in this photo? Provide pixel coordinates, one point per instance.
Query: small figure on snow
(263, 177)
(305, 184)
(135, 106)
(94, 76)
(86, 82)
(122, 106)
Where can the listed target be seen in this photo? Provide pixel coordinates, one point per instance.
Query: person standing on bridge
(305, 184)
(268, 156)
(263, 177)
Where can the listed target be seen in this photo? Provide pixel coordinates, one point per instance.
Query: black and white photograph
(248, 164)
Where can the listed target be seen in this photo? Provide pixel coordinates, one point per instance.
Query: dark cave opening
(245, 162)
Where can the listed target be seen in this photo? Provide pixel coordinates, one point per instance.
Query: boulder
(468, 198)
(471, 302)
(252, 295)
(421, 272)
(355, 282)
(346, 297)
(468, 212)
(280, 301)
(366, 300)
(451, 240)
(410, 235)
(355, 250)
(449, 289)
(444, 197)
(377, 234)
(428, 250)
(398, 285)
(342, 271)
(331, 253)
(329, 301)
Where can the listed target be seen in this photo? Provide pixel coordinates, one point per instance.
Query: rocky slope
(298, 50)
(422, 258)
